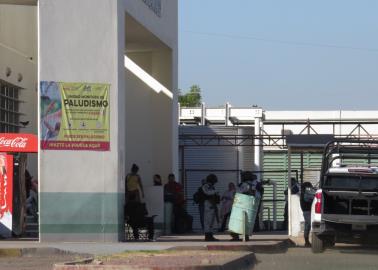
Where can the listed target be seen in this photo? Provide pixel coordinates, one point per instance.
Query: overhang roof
(19, 2)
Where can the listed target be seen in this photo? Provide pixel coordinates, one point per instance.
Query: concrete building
(131, 45)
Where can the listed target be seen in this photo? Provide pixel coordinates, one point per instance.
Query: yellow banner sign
(75, 116)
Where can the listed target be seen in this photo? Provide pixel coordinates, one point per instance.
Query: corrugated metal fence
(276, 169)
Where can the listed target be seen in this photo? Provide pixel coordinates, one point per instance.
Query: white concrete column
(178, 112)
(203, 113)
(175, 136)
(289, 191)
(258, 115)
(227, 115)
(81, 192)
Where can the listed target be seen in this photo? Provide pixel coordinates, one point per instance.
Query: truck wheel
(317, 244)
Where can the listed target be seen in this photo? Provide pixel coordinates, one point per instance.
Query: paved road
(343, 258)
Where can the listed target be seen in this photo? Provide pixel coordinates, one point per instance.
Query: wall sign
(75, 116)
(18, 142)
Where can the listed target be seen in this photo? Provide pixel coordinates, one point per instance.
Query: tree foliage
(192, 98)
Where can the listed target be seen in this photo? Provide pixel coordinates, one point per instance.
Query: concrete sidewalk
(180, 242)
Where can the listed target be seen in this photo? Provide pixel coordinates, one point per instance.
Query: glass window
(9, 107)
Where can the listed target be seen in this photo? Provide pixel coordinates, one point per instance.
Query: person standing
(134, 184)
(32, 200)
(199, 198)
(211, 200)
(307, 196)
(250, 186)
(227, 200)
(174, 202)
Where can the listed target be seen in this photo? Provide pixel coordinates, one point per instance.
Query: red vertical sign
(6, 194)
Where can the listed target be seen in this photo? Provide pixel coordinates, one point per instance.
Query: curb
(245, 261)
(29, 252)
(270, 247)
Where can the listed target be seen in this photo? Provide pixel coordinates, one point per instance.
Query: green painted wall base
(81, 217)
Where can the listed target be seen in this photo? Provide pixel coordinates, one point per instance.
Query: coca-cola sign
(18, 142)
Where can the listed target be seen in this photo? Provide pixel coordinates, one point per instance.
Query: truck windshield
(352, 182)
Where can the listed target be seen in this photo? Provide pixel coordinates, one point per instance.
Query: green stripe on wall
(80, 228)
(66, 212)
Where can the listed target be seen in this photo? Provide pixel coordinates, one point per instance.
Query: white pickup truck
(345, 207)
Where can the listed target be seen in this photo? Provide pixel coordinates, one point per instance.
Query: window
(9, 108)
(367, 182)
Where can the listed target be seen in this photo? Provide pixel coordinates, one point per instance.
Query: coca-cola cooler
(6, 195)
(13, 149)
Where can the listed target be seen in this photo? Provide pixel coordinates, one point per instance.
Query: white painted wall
(296, 215)
(77, 46)
(166, 29)
(148, 118)
(18, 51)
(82, 49)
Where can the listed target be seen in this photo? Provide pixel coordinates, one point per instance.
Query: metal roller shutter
(224, 161)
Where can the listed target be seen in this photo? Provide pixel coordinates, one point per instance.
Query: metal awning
(308, 143)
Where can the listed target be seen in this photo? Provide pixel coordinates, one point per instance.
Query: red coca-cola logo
(18, 142)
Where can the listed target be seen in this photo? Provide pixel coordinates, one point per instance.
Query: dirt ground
(170, 258)
(34, 262)
(145, 258)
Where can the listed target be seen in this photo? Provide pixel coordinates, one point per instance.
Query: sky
(281, 54)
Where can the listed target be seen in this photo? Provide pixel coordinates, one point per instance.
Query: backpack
(309, 194)
(199, 196)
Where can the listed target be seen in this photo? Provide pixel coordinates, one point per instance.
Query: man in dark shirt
(174, 194)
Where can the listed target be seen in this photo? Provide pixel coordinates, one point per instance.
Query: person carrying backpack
(199, 198)
(307, 196)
